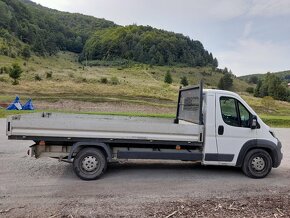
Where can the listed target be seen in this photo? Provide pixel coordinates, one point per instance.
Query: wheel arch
(266, 145)
(80, 145)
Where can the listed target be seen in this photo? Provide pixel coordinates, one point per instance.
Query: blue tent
(15, 105)
(28, 105)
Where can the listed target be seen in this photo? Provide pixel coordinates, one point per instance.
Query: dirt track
(47, 188)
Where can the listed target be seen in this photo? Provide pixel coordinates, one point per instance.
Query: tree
(5, 14)
(26, 53)
(15, 72)
(226, 82)
(272, 86)
(257, 89)
(215, 63)
(250, 90)
(287, 77)
(253, 79)
(225, 71)
(168, 78)
(184, 81)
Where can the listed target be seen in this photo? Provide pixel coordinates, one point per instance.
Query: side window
(244, 116)
(234, 112)
(229, 111)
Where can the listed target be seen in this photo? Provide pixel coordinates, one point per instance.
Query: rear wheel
(89, 164)
(257, 164)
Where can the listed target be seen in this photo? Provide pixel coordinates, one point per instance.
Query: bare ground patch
(277, 205)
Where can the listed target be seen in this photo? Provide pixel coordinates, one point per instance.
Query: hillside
(28, 27)
(148, 45)
(283, 75)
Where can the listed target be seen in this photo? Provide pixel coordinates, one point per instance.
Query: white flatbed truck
(214, 127)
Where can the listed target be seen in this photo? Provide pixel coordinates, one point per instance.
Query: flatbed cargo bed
(55, 126)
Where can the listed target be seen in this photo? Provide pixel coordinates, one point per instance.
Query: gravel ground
(47, 188)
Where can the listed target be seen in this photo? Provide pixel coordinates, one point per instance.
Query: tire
(257, 164)
(89, 164)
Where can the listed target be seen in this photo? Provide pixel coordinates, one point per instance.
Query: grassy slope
(139, 84)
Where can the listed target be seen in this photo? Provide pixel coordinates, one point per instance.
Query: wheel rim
(258, 163)
(90, 164)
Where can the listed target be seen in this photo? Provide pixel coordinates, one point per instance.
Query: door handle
(221, 130)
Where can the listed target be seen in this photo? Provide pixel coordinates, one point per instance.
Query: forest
(25, 25)
(147, 45)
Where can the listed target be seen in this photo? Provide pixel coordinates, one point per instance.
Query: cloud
(225, 9)
(270, 8)
(247, 29)
(194, 9)
(251, 56)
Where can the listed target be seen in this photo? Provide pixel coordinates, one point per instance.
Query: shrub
(3, 79)
(184, 81)
(115, 81)
(15, 73)
(71, 75)
(104, 80)
(250, 90)
(6, 70)
(168, 78)
(37, 78)
(253, 79)
(49, 75)
(26, 52)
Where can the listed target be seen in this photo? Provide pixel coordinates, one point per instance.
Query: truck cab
(236, 136)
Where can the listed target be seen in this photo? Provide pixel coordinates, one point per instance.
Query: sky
(246, 36)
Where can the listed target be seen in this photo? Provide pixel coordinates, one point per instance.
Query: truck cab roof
(218, 91)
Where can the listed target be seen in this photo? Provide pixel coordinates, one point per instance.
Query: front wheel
(89, 164)
(257, 164)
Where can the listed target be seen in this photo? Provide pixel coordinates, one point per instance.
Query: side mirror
(254, 122)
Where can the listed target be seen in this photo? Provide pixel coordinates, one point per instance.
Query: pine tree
(168, 78)
(26, 53)
(184, 81)
(15, 72)
(226, 82)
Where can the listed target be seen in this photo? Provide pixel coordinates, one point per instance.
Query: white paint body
(233, 138)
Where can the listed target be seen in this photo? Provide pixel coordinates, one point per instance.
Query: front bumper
(278, 156)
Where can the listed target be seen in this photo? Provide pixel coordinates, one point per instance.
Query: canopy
(15, 105)
(28, 105)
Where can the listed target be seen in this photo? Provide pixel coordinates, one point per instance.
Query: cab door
(232, 128)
